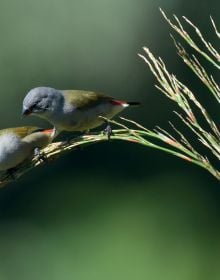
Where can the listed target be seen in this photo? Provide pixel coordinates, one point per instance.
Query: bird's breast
(12, 151)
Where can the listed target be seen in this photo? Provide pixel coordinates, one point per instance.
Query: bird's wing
(21, 131)
(85, 99)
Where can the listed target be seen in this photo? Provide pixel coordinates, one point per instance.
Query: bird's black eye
(34, 106)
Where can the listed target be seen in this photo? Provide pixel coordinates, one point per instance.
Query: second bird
(19, 143)
(72, 110)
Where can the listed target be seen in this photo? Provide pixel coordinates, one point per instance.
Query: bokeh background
(114, 210)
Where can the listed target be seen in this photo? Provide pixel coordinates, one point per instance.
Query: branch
(140, 135)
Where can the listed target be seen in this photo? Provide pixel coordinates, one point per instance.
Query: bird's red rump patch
(118, 102)
(48, 131)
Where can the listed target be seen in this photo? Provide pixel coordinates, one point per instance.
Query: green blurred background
(114, 210)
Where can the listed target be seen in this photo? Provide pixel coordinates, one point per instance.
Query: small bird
(19, 143)
(72, 110)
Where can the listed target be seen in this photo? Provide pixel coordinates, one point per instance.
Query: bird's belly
(82, 120)
(12, 151)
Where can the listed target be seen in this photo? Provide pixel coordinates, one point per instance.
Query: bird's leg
(55, 133)
(108, 129)
(89, 132)
(71, 139)
(41, 155)
(86, 132)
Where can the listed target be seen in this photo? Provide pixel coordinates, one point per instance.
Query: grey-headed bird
(72, 110)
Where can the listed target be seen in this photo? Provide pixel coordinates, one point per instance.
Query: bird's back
(20, 131)
(83, 100)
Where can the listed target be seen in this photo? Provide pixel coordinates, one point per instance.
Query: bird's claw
(108, 131)
(41, 155)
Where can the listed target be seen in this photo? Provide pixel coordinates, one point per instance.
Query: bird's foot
(41, 155)
(108, 131)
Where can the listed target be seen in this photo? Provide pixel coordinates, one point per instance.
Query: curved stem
(56, 149)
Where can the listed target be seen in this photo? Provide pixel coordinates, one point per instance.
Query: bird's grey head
(41, 101)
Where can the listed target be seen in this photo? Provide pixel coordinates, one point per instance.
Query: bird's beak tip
(25, 112)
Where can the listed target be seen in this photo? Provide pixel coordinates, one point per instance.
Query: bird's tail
(134, 103)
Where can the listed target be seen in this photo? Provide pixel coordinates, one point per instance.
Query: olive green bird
(72, 110)
(19, 143)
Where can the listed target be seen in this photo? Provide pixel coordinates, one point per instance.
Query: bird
(20, 143)
(72, 110)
